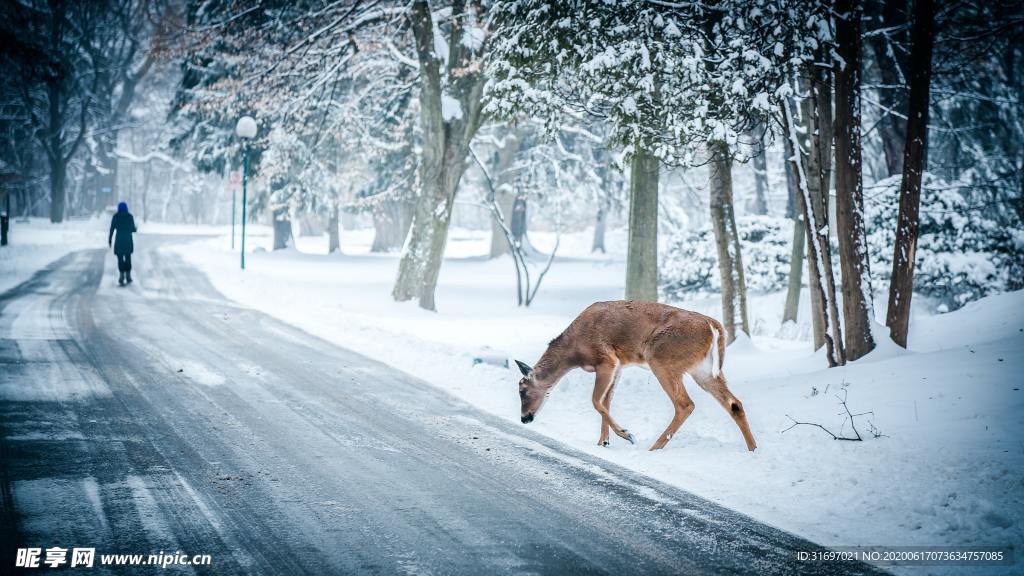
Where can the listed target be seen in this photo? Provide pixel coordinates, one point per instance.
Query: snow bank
(941, 459)
(37, 242)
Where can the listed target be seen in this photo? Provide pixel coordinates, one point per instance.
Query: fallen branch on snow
(848, 416)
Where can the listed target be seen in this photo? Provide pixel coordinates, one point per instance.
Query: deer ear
(524, 368)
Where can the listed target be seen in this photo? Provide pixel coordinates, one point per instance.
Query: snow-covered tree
(963, 253)
(555, 173)
(666, 78)
(796, 40)
(298, 180)
(127, 47)
(690, 262)
(288, 61)
(901, 288)
(70, 70)
(451, 82)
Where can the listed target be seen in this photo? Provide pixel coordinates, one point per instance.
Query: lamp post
(246, 130)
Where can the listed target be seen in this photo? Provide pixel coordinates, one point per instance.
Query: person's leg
(120, 268)
(128, 268)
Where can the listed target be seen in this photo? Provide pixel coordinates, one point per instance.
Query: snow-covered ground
(36, 243)
(945, 470)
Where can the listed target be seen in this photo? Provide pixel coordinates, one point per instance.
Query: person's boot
(128, 276)
(120, 279)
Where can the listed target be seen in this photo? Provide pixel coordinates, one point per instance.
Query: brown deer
(610, 335)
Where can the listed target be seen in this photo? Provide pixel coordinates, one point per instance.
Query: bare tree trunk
(892, 68)
(901, 290)
(282, 229)
(518, 223)
(723, 219)
(431, 245)
(425, 246)
(445, 148)
(503, 190)
(818, 253)
(730, 258)
(791, 178)
(600, 223)
(796, 258)
(505, 198)
(822, 137)
(391, 225)
(171, 193)
(58, 175)
(383, 228)
(59, 98)
(333, 231)
(759, 205)
(853, 256)
(642, 252)
(5, 217)
(796, 268)
(55, 151)
(76, 201)
(103, 171)
(147, 172)
(817, 116)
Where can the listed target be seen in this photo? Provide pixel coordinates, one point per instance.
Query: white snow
(201, 373)
(473, 37)
(947, 469)
(629, 105)
(450, 108)
(36, 243)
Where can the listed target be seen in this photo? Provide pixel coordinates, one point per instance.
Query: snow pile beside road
(36, 243)
(942, 454)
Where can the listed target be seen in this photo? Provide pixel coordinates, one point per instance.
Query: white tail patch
(713, 353)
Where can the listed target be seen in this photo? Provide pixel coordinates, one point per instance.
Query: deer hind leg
(603, 441)
(715, 385)
(607, 375)
(672, 381)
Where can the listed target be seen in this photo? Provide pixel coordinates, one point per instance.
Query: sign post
(245, 178)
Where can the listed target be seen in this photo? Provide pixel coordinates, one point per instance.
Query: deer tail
(717, 350)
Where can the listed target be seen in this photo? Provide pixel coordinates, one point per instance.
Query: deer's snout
(528, 418)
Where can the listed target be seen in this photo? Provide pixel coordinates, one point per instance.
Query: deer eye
(522, 392)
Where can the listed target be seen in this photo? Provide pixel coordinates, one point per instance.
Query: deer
(608, 336)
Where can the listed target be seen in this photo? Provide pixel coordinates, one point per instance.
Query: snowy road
(162, 417)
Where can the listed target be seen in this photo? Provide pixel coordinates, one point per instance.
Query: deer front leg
(606, 377)
(716, 386)
(603, 441)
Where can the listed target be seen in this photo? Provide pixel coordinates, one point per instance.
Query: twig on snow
(848, 416)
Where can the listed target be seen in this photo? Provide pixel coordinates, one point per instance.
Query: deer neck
(554, 364)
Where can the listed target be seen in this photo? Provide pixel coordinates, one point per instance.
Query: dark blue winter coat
(124, 223)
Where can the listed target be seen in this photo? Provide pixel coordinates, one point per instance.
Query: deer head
(531, 393)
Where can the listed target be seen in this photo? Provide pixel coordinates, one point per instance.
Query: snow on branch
(150, 156)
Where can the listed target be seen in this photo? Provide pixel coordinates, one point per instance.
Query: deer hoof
(629, 437)
(605, 443)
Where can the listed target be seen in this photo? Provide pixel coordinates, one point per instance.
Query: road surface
(162, 417)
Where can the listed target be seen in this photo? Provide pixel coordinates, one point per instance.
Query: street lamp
(246, 130)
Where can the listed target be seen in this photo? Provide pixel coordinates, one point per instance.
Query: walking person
(124, 223)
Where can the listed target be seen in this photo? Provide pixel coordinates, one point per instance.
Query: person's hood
(122, 207)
